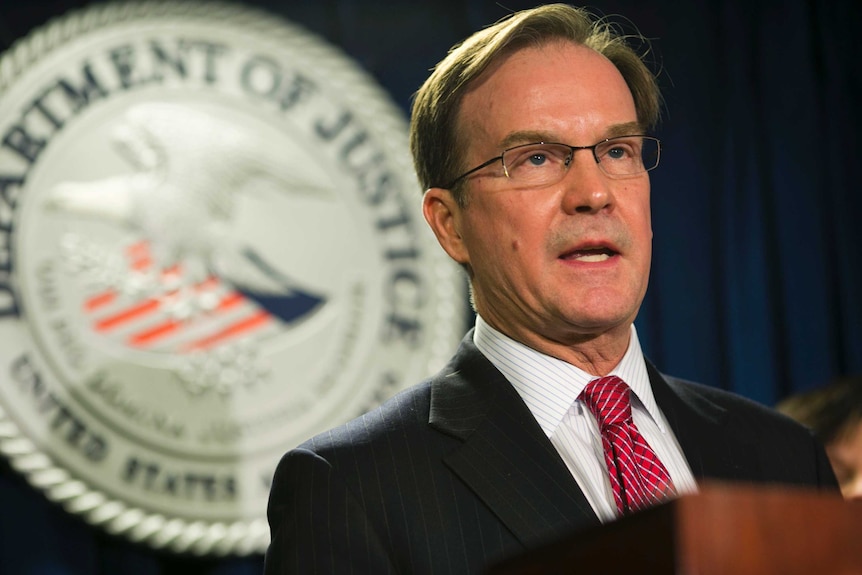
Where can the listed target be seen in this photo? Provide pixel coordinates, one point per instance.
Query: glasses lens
(628, 155)
(537, 164)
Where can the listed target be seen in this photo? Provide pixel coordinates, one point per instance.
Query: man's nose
(587, 188)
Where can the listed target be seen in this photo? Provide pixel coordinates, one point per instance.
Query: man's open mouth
(598, 254)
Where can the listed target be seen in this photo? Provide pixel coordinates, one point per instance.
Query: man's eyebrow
(627, 129)
(526, 137)
(531, 136)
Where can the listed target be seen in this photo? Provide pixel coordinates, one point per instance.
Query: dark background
(757, 270)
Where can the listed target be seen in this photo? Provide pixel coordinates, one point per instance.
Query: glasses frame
(574, 149)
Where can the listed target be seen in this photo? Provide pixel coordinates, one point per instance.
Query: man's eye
(537, 159)
(618, 153)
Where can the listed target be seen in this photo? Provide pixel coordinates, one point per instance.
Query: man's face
(566, 262)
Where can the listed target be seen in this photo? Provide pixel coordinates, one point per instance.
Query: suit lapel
(505, 457)
(712, 447)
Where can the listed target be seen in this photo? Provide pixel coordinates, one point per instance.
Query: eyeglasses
(546, 163)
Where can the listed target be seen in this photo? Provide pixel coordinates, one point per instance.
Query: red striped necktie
(638, 478)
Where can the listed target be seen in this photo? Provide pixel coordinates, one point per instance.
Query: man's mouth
(590, 255)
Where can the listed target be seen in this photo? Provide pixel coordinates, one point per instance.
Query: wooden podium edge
(724, 529)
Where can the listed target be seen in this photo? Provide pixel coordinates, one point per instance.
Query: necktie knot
(609, 400)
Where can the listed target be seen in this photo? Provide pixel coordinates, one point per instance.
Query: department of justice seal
(211, 250)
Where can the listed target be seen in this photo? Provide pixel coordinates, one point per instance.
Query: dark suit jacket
(455, 473)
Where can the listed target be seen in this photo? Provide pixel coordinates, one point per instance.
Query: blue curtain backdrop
(757, 271)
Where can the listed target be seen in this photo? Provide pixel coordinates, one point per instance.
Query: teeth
(593, 257)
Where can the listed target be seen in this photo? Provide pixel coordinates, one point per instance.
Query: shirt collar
(549, 386)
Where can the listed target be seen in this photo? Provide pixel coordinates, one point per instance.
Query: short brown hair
(434, 140)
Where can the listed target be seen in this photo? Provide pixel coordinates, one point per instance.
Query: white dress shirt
(550, 387)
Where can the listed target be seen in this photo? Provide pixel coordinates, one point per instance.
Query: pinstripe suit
(455, 473)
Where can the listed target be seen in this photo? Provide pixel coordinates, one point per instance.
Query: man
(834, 413)
(509, 446)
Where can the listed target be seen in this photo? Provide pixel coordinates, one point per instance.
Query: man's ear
(444, 215)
